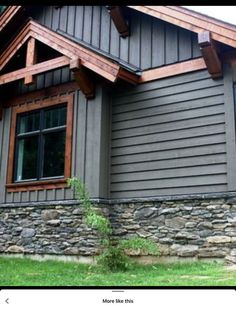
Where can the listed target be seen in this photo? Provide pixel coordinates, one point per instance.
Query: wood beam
(210, 55)
(30, 59)
(173, 69)
(117, 16)
(128, 76)
(44, 93)
(8, 14)
(83, 78)
(34, 69)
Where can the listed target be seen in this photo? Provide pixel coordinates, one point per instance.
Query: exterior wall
(50, 78)
(169, 137)
(152, 42)
(197, 228)
(89, 151)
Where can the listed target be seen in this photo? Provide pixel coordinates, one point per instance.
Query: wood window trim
(41, 184)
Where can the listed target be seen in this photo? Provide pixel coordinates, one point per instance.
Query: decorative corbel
(210, 56)
(83, 78)
(30, 59)
(118, 19)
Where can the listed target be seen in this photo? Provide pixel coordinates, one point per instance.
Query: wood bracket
(30, 60)
(118, 19)
(210, 56)
(83, 78)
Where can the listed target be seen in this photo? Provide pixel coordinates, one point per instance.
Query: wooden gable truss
(78, 58)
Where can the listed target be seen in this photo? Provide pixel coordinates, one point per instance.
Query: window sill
(36, 185)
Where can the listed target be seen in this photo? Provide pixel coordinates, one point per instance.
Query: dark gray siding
(90, 150)
(152, 43)
(50, 78)
(168, 137)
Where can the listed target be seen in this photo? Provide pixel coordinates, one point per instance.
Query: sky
(224, 13)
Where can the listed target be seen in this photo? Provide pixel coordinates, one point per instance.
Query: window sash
(39, 136)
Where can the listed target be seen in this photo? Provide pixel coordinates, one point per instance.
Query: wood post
(30, 59)
(209, 53)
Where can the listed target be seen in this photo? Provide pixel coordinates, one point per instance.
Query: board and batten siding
(168, 138)
(89, 151)
(152, 42)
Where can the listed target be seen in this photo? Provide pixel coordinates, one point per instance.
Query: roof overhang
(72, 53)
(195, 22)
(8, 14)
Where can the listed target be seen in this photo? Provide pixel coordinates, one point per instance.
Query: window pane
(28, 123)
(27, 158)
(54, 154)
(55, 117)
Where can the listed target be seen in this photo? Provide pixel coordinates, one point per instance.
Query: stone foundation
(46, 230)
(201, 228)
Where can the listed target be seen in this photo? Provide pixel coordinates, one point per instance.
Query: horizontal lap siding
(152, 42)
(168, 137)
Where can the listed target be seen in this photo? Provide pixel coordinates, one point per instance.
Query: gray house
(138, 101)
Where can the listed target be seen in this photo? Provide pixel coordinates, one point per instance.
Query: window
(40, 145)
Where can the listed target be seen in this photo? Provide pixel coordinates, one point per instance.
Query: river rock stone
(167, 211)
(186, 235)
(218, 239)
(187, 250)
(15, 249)
(205, 225)
(28, 233)
(176, 222)
(71, 251)
(53, 222)
(50, 214)
(190, 224)
(146, 212)
(211, 252)
(181, 226)
(230, 259)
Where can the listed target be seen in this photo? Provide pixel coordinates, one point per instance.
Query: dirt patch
(230, 267)
(195, 277)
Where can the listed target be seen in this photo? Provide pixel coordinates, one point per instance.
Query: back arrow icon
(7, 300)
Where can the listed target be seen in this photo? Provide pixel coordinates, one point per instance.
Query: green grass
(26, 272)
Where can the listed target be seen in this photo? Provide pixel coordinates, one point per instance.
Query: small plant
(114, 259)
(113, 256)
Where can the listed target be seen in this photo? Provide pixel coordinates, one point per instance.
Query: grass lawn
(26, 272)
